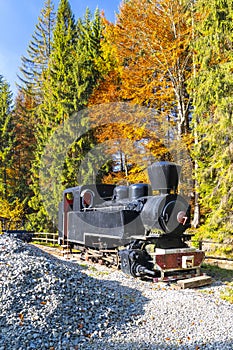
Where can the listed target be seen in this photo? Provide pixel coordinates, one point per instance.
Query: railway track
(94, 259)
(65, 252)
(109, 258)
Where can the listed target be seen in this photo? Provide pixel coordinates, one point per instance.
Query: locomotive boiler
(144, 223)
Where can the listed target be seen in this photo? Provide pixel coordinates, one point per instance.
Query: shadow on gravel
(52, 304)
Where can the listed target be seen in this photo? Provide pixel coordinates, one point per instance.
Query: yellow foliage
(152, 40)
(136, 175)
(145, 62)
(12, 211)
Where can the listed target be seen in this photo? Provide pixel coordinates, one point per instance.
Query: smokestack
(164, 176)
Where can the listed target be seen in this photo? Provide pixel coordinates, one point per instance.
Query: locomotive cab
(77, 200)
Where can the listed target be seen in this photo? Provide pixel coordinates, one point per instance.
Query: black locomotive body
(147, 229)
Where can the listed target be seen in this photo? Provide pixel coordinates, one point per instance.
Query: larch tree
(150, 66)
(212, 91)
(11, 206)
(153, 44)
(24, 126)
(6, 141)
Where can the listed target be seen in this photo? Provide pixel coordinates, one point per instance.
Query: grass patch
(217, 273)
(224, 275)
(227, 294)
(83, 266)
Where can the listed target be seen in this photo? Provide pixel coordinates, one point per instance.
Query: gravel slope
(49, 303)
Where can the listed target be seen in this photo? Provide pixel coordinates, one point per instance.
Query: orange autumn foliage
(148, 64)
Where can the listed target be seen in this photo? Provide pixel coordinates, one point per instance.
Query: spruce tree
(213, 123)
(68, 82)
(88, 53)
(59, 101)
(29, 97)
(87, 73)
(38, 52)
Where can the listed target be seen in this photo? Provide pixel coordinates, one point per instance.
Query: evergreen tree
(59, 83)
(108, 87)
(88, 73)
(59, 101)
(213, 100)
(29, 97)
(73, 72)
(39, 49)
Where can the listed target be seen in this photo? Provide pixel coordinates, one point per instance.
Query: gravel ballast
(51, 303)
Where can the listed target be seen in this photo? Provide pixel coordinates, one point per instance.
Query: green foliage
(68, 81)
(88, 73)
(58, 88)
(212, 95)
(30, 96)
(38, 53)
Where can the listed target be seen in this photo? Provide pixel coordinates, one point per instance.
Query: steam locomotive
(144, 223)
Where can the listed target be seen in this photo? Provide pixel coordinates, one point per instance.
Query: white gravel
(49, 303)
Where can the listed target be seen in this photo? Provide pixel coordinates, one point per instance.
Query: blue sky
(17, 24)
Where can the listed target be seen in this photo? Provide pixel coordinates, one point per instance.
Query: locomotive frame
(145, 229)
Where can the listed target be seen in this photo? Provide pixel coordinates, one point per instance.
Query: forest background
(174, 57)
